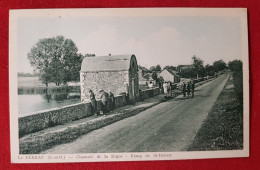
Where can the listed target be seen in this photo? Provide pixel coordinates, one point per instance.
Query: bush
(236, 66)
(238, 83)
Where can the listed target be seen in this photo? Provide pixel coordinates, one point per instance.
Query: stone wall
(115, 81)
(47, 118)
(120, 101)
(149, 93)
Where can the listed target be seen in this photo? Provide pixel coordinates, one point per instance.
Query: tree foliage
(235, 65)
(154, 76)
(156, 68)
(21, 74)
(161, 79)
(198, 65)
(171, 68)
(219, 65)
(90, 55)
(55, 60)
(209, 69)
(144, 70)
(146, 76)
(152, 68)
(188, 73)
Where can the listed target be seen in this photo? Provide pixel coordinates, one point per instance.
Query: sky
(164, 40)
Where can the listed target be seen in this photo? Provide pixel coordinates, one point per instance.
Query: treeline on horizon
(57, 60)
(194, 70)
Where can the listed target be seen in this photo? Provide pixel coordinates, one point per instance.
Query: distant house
(117, 73)
(170, 75)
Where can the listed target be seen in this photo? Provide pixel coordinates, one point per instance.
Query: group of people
(188, 89)
(105, 106)
(167, 87)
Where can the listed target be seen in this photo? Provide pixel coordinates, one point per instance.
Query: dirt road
(169, 126)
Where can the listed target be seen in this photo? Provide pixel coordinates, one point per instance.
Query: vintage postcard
(95, 85)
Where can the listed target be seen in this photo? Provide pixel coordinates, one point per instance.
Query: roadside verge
(223, 128)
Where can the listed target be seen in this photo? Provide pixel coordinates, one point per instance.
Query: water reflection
(35, 102)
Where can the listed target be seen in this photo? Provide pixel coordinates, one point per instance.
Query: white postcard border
(14, 15)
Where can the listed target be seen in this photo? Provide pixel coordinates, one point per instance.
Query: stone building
(170, 75)
(118, 73)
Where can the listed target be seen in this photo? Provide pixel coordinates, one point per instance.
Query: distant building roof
(172, 72)
(106, 63)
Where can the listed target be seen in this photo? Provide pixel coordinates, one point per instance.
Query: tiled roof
(106, 63)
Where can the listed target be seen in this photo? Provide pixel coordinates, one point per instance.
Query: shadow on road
(184, 98)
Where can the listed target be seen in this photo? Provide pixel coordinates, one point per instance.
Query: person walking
(111, 101)
(171, 88)
(165, 88)
(188, 89)
(93, 102)
(104, 100)
(192, 89)
(161, 86)
(168, 89)
(184, 89)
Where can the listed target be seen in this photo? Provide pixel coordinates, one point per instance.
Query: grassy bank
(223, 128)
(49, 90)
(32, 85)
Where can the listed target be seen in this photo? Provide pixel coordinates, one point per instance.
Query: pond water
(28, 103)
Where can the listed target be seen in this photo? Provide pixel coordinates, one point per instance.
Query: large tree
(209, 70)
(55, 60)
(156, 68)
(152, 68)
(235, 65)
(154, 76)
(198, 66)
(188, 72)
(219, 65)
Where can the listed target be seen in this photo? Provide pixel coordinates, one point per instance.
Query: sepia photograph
(133, 84)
